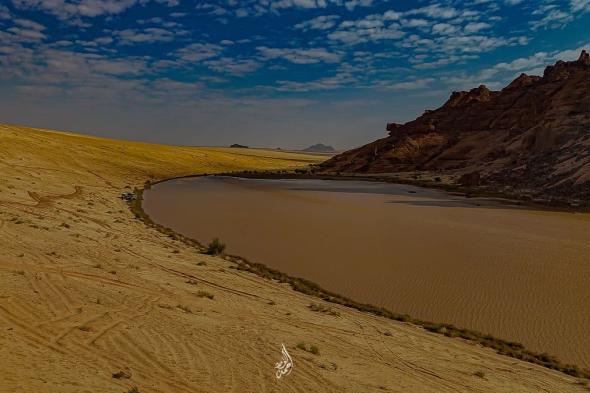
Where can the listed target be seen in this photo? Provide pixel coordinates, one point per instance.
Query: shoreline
(547, 204)
(500, 346)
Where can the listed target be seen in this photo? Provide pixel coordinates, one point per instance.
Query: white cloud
(73, 10)
(300, 56)
(212, 9)
(147, 35)
(66, 9)
(556, 14)
(323, 22)
(4, 12)
(475, 27)
(197, 52)
(414, 84)
(232, 66)
(580, 5)
(352, 4)
(19, 34)
(499, 75)
(444, 29)
(278, 4)
(370, 28)
(260, 7)
(340, 80)
(435, 11)
(29, 24)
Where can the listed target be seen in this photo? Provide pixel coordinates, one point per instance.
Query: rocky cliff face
(535, 134)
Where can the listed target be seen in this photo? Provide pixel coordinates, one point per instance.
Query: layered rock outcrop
(534, 133)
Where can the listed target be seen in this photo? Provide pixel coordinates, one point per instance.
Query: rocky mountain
(320, 148)
(532, 135)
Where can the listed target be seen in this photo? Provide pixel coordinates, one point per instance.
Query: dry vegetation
(67, 324)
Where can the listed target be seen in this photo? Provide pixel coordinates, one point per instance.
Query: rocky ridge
(533, 136)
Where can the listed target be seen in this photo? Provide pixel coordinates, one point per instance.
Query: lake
(519, 274)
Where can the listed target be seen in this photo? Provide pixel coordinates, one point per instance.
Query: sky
(285, 73)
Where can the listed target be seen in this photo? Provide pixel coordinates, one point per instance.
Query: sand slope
(86, 290)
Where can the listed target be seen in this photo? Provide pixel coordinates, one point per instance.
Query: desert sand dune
(92, 300)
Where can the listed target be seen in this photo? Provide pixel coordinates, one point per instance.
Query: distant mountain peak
(320, 148)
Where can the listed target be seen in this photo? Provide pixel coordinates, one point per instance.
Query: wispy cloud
(299, 55)
(171, 52)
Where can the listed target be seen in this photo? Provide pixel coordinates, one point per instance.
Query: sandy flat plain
(519, 274)
(87, 290)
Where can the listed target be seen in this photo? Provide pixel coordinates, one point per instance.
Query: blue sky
(285, 73)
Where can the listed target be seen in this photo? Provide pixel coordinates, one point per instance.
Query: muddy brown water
(519, 274)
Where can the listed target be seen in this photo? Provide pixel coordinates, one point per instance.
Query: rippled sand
(518, 274)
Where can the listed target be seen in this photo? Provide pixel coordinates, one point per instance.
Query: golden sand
(88, 291)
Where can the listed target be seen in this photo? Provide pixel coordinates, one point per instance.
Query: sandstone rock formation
(534, 134)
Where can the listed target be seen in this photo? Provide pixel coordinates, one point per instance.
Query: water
(519, 274)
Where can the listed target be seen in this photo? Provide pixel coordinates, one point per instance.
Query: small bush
(318, 307)
(202, 263)
(133, 390)
(314, 349)
(216, 247)
(205, 294)
(121, 375)
(186, 309)
(479, 373)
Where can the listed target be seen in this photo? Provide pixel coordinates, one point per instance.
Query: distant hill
(320, 148)
(239, 146)
(532, 135)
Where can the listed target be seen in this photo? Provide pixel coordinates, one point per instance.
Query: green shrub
(216, 247)
(314, 349)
